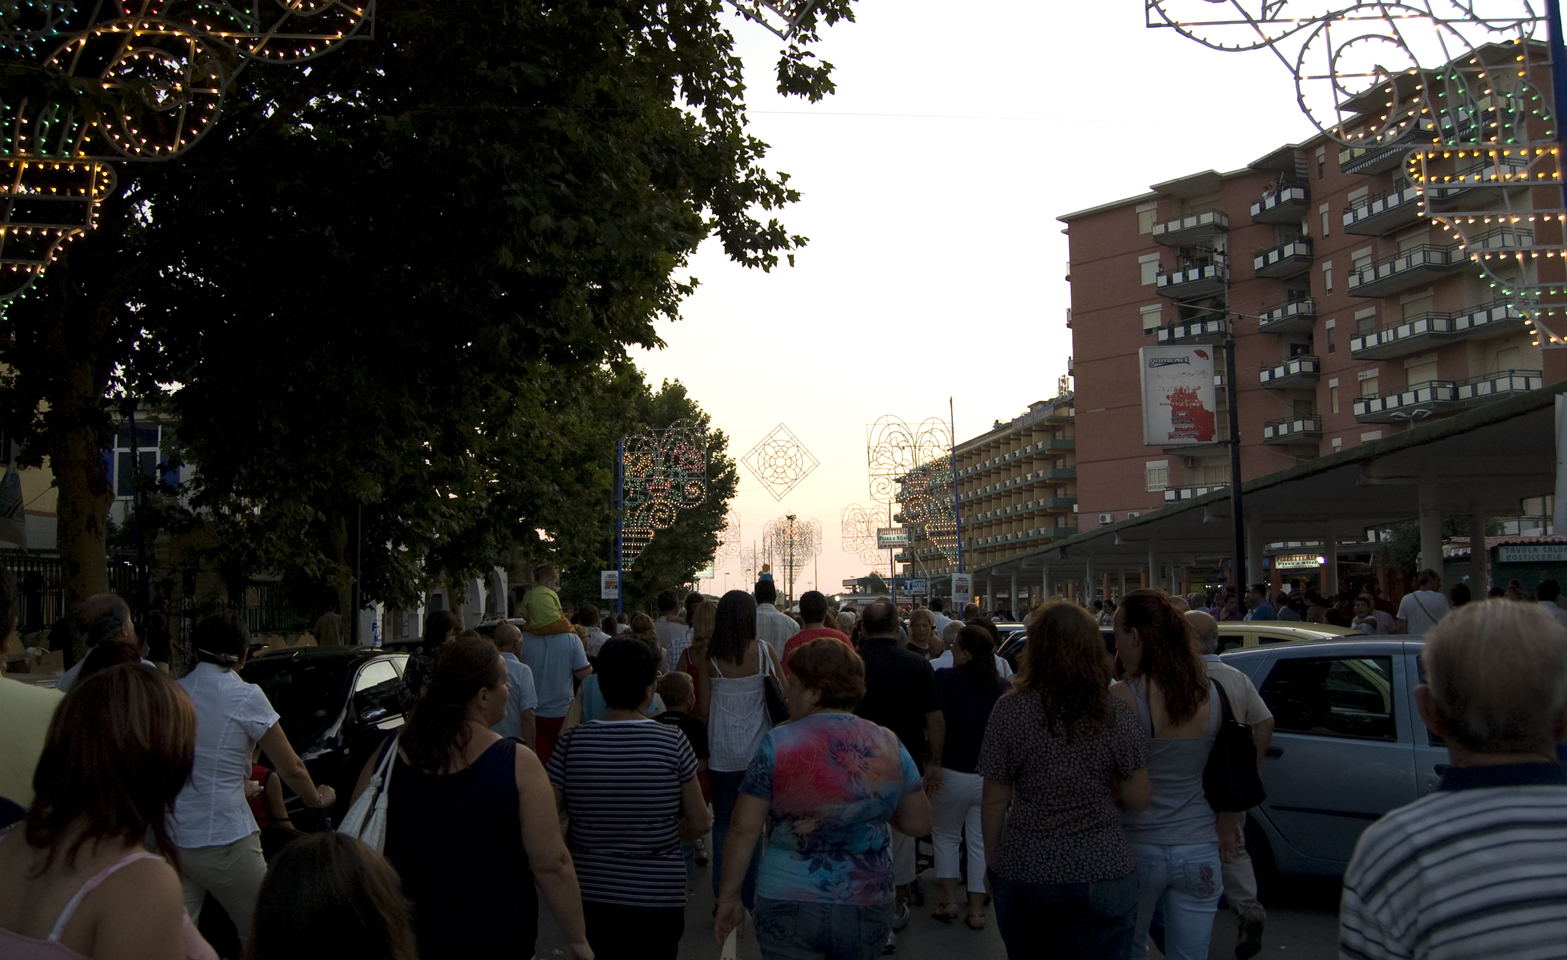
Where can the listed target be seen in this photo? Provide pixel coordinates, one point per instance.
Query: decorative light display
(164, 66)
(858, 532)
(780, 461)
(729, 541)
(662, 473)
(791, 544)
(925, 494)
(893, 448)
(1463, 100)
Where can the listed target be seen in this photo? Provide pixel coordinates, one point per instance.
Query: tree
(376, 278)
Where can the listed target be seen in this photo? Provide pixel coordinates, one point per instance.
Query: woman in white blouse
(219, 843)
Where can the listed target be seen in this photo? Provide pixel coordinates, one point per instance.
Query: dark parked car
(337, 705)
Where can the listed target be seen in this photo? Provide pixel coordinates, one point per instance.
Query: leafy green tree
(387, 286)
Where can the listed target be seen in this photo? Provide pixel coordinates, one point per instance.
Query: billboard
(1179, 406)
(888, 538)
(609, 585)
(962, 590)
(914, 588)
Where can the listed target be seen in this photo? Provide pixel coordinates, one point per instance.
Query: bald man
(1240, 879)
(101, 618)
(523, 699)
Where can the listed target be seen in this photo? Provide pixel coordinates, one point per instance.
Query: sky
(936, 267)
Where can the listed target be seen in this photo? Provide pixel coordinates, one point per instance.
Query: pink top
(14, 946)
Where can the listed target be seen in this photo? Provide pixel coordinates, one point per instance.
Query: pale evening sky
(931, 184)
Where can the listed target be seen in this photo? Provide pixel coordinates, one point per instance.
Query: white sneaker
(901, 920)
(891, 946)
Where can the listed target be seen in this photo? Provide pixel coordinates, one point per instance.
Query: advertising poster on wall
(962, 591)
(1179, 405)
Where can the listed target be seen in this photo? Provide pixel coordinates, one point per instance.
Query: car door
(1431, 758)
(1342, 752)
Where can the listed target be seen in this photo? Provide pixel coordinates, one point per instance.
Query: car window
(1433, 738)
(376, 686)
(1333, 697)
(308, 695)
(1263, 638)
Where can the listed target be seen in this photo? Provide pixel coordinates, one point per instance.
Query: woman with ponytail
(218, 840)
(471, 820)
(1178, 839)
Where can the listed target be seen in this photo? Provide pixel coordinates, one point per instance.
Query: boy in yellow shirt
(541, 605)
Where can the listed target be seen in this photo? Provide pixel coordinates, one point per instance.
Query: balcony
(1381, 157)
(1187, 230)
(1416, 402)
(1210, 330)
(1296, 316)
(1477, 185)
(1178, 494)
(1384, 212)
(1292, 373)
(1494, 386)
(1201, 279)
(1285, 205)
(1414, 267)
(1293, 430)
(1284, 260)
(1416, 334)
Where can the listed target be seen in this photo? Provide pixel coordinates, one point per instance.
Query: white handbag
(366, 819)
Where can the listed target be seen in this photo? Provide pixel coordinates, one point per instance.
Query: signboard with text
(889, 538)
(609, 584)
(962, 591)
(1532, 553)
(914, 588)
(1179, 405)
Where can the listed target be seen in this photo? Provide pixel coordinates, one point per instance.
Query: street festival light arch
(857, 531)
(161, 69)
(660, 474)
(919, 460)
(1465, 98)
(791, 543)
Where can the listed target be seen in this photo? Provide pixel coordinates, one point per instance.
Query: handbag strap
(1226, 715)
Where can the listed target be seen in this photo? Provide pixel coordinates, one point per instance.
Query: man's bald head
(1497, 675)
(508, 638)
(1207, 630)
(103, 618)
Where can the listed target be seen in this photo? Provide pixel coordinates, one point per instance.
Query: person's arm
(547, 855)
(142, 915)
(995, 801)
(704, 693)
(914, 817)
(1400, 626)
(274, 743)
(275, 804)
(530, 729)
(695, 820)
(745, 828)
(1262, 735)
(1230, 836)
(936, 733)
(1134, 792)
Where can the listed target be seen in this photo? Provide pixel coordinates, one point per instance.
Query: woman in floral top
(832, 783)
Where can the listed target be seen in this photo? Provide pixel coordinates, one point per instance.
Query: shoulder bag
(1230, 780)
(772, 690)
(366, 819)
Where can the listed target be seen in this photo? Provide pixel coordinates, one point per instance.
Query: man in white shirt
(1419, 611)
(949, 636)
(1240, 879)
(1550, 594)
(673, 634)
(522, 699)
(773, 626)
(938, 606)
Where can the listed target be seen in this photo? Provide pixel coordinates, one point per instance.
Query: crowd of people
(587, 764)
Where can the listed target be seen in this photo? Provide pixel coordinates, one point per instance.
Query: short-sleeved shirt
(1064, 825)
(522, 697)
(1422, 609)
(541, 606)
(554, 659)
(774, 628)
(1244, 699)
(806, 636)
(966, 707)
(622, 785)
(231, 716)
(694, 729)
(832, 781)
(900, 689)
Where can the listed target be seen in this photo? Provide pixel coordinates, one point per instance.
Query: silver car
(1348, 746)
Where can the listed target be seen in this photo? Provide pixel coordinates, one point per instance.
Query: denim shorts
(797, 930)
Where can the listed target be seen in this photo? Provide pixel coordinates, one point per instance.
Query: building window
(150, 439)
(1333, 399)
(1153, 318)
(1158, 475)
(1322, 165)
(1325, 218)
(1368, 383)
(1146, 213)
(1330, 326)
(1149, 264)
(1327, 277)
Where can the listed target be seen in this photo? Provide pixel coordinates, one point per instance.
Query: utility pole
(1237, 514)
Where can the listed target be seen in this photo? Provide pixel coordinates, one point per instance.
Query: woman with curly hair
(1062, 759)
(1178, 838)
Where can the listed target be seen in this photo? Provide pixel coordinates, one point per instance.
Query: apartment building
(1354, 314)
(1017, 486)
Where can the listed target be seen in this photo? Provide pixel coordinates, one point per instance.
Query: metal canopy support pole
(1255, 572)
(1090, 589)
(359, 550)
(1044, 585)
(1430, 528)
(957, 501)
(1153, 563)
(1479, 556)
(1330, 565)
(620, 493)
(1237, 511)
(1012, 596)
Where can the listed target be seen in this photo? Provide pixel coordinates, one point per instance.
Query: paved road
(1302, 925)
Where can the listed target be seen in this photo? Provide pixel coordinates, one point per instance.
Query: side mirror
(374, 713)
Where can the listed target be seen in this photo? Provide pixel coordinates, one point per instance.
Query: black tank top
(456, 841)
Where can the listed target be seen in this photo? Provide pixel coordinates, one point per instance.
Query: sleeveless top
(737, 717)
(456, 841)
(1179, 814)
(14, 946)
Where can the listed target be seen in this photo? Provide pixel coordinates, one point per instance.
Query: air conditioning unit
(1107, 518)
(1132, 514)
(1189, 462)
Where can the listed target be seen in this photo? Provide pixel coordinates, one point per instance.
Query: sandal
(975, 921)
(945, 915)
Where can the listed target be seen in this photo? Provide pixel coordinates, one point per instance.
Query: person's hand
(730, 916)
(253, 788)
(579, 950)
(989, 890)
(328, 797)
(932, 779)
(1230, 843)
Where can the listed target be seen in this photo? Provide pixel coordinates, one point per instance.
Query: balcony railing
(1177, 494)
(1295, 370)
(1295, 316)
(1383, 212)
(1282, 205)
(1414, 334)
(1411, 268)
(1432, 397)
(1292, 430)
(1488, 386)
(1284, 260)
(1197, 226)
(1201, 279)
(1209, 330)
(1386, 155)
(1477, 182)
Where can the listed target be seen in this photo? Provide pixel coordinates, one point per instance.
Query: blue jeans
(793, 930)
(1186, 882)
(1091, 921)
(726, 790)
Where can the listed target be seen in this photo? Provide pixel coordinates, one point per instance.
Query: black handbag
(772, 692)
(1230, 781)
